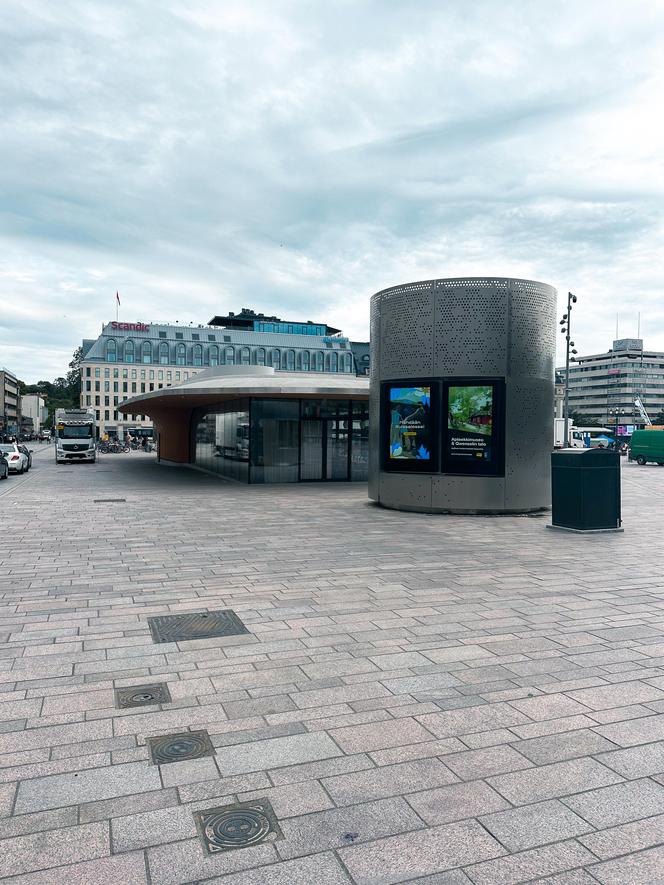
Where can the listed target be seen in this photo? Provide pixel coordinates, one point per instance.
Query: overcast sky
(199, 156)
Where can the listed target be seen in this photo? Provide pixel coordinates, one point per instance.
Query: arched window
(334, 362)
(129, 351)
(275, 355)
(198, 355)
(289, 361)
(245, 356)
(111, 351)
(230, 356)
(346, 363)
(163, 353)
(260, 356)
(305, 360)
(146, 352)
(180, 355)
(318, 365)
(214, 355)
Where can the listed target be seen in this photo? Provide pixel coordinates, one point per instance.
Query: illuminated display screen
(473, 440)
(470, 422)
(410, 424)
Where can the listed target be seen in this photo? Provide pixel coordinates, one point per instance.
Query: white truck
(75, 436)
(559, 436)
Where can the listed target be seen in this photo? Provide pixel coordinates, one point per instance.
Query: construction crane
(641, 409)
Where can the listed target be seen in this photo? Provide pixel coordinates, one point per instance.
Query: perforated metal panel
(374, 400)
(406, 330)
(532, 330)
(470, 326)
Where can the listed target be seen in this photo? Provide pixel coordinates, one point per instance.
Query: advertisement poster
(470, 423)
(410, 424)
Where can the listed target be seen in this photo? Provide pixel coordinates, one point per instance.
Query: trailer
(75, 435)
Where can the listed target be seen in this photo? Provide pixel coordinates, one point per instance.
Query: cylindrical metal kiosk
(461, 402)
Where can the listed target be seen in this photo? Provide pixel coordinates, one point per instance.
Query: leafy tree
(63, 392)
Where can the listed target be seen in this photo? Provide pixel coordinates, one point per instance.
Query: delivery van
(647, 445)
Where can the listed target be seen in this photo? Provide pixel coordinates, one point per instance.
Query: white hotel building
(133, 358)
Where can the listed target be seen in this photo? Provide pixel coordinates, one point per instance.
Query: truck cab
(75, 435)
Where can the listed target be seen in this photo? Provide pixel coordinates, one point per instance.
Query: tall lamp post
(616, 413)
(569, 349)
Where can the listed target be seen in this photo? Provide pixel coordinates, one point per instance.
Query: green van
(647, 445)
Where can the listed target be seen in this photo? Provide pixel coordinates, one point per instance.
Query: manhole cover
(142, 695)
(109, 500)
(237, 826)
(180, 747)
(195, 625)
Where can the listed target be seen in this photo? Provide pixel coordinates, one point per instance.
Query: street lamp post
(616, 413)
(566, 327)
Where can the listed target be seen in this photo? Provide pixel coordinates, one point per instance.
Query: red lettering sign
(129, 327)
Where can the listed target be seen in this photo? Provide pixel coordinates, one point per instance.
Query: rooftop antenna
(616, 326)
(638, 327)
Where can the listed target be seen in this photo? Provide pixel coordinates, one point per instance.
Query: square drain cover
(142, 695)
(242, 825)
(180, 747)
(196, 625)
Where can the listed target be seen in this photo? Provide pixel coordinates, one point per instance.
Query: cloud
(297, 157)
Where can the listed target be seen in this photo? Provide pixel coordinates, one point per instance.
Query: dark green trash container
(585, 493)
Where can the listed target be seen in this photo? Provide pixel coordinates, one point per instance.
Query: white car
(16, 460)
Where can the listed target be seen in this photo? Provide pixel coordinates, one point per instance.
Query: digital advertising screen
(409, 419)
(410, 423)
(474, 428)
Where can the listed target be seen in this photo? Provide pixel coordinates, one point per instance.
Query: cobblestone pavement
(428, 699)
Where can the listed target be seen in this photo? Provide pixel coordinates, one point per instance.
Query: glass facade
(221, 439)
(283, 440)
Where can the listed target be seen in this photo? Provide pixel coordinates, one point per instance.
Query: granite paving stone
(527, 866)
(620, 803)
(126, 868)
(42, 793)
(640, 868)
(567, 745)
(339, 827)
(133, 831)
(521, 828)
(405, 858)
(318, 868)
(389, 780)
(362, 738)
(456, 802)
(426, 699)
(474, 764)
(22, 854)
(275, 752)
(552, 781)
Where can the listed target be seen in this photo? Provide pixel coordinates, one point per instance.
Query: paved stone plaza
(419, 698)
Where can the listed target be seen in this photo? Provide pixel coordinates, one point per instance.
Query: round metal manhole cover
(242, 825)
(180, 747)
(236, 827)
(142, 695)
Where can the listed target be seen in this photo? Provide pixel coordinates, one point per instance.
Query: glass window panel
(221, 437)
(274, 441)
(359, 452)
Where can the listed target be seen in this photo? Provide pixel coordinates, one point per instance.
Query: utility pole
(566, 327)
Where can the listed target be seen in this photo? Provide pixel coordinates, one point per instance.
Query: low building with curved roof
(253, 424)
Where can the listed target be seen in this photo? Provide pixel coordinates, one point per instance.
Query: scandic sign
(130, 327)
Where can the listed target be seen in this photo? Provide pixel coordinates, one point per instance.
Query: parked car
(17, 461)
(4, 467)
(28, 453)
